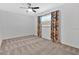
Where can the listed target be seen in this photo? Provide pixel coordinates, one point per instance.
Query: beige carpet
(34, 46)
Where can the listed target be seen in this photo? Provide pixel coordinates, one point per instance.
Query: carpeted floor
(34, 46)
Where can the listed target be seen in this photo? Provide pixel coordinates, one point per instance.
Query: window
(46, 20)
(46, 26)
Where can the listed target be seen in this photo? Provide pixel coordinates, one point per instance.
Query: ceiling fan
(30, 8)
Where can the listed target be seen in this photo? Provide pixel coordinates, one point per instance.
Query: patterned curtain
(39, 27)
(55, 26)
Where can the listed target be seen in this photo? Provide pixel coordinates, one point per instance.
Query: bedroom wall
(36, 24)
(70, 24)
(15, 25)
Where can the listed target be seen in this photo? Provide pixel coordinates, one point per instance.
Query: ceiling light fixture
(29, 10)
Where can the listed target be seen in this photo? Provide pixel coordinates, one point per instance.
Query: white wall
(70, 24)
(69, 16)
(15, 25)
(36, 24)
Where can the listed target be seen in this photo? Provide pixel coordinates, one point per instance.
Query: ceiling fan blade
(35, 7)
(29, 4)
(23, 7)
(33, 10)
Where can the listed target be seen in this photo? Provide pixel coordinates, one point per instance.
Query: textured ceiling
(15, 7)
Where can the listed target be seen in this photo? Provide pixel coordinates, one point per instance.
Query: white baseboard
(0, 43)
(69, 44)
(4, 38)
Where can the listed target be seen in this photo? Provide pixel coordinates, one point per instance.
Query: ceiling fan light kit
(29, 8)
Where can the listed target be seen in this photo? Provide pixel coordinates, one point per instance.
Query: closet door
(55, 28)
